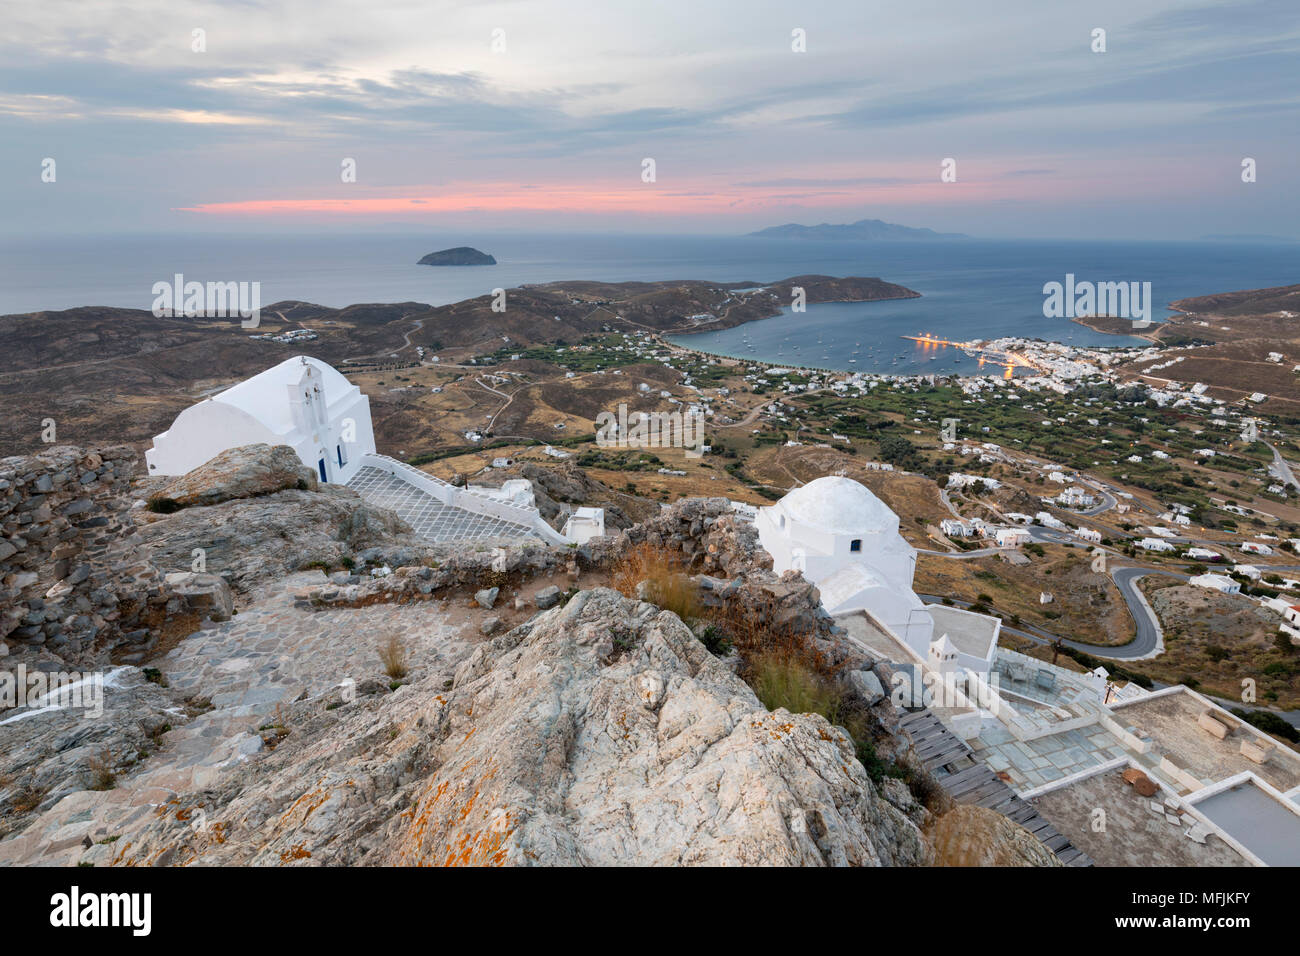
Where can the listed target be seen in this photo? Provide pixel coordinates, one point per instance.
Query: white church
(311, 407)
(846, 541)
(302, 403)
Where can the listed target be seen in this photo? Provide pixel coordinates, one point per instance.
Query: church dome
(839, 506)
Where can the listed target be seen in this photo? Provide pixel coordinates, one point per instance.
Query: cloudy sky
(538, 115)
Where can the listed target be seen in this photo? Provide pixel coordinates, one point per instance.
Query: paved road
(1108, 500)
(1280, 469)
(1147, 627)
(1036, 533)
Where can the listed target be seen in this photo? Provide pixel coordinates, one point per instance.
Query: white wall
(200, 433)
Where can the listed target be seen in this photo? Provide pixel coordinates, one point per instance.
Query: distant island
(873, 230)
(1246, 237)
(460, 256)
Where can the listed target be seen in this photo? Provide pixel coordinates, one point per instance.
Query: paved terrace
(1170, 721)
(1135, 833)
(1027, 764)
(429, 517)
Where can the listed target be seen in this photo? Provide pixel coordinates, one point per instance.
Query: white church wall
(302, 403)
(200, 433)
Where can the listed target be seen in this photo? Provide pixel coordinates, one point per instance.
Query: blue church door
(320, 465)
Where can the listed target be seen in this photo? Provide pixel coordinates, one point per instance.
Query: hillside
(264, 713)
(99, 370)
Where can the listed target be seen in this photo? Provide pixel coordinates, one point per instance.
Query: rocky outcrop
(416, 577)
(80, 738)
(89, 576)
(599, 733)
(252, 542)
(244, 472)
(205, 595)
(705, 531)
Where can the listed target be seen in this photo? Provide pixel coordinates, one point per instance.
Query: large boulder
(254, 542)
(245, 472)
(604, 733)
(206, 595)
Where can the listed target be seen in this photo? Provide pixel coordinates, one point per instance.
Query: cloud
(712, 91)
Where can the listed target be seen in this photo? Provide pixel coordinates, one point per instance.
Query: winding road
(1280, 469)
(1146, 643)
(1147, 640)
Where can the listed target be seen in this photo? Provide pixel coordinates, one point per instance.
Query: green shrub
(1268, 722)
(783, 681)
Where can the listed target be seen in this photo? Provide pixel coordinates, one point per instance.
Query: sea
(970, 289)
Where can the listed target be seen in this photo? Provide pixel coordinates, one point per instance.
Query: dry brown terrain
(1245, 327)
(122, 375)
(1086, 605)
(1217, 640)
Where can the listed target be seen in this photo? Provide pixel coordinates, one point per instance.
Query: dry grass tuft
(780, 680)
(670, 587)
(100, 770)
(26, 797)
(392, 654)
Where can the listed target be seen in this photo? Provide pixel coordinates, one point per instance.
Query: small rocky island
(460, 256)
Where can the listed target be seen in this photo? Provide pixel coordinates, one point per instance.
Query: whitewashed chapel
(846, 541)
(302, 403)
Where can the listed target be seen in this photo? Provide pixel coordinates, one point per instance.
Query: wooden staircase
(953, 765)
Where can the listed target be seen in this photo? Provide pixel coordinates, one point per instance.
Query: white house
(1203, 554)
(1011, 537)
(1291, 625)
(1049, 520)
(1254, 547)
(955, 528)
(1216, 582)
(1247, 571)
(1155, 544)
(585, 524)
(302, 403)
(957, 480)
(1075, 497)
(1088, 534)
